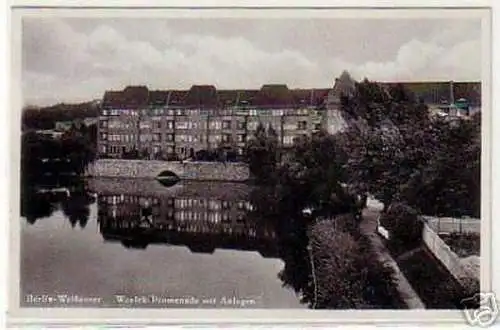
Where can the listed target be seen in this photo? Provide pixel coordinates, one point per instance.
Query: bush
(404, 226)
(347, 273)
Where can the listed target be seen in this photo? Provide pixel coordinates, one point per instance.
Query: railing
(453, 225)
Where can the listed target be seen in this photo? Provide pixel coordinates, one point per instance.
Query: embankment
(198, 171)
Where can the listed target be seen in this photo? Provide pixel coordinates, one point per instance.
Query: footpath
(368, 228)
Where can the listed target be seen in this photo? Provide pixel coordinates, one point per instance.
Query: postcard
(262, 165)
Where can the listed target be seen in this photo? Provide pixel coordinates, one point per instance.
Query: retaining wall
(202, 171)
(446, 256)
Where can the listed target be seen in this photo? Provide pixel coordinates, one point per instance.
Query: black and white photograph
(251, 160)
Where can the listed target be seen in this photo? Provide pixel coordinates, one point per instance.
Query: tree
(450, 183)
(262, 155)
(315, 171)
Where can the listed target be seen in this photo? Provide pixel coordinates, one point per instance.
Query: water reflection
(202, 224)
(144, 215)
(42, 200)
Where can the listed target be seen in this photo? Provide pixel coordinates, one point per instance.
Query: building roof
(201, 96)
(435, 92)
(176, 97)
(227, 98)
(246, 97)
(279, 95)
(275, 95)
(131, 96)
(158, 97)
(309, 97)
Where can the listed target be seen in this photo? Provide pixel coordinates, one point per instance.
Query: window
(240, 151)
(157, 124)
(182, 125)
(214, 138)
(114, 123)
(241, 125)
(241, 138)
(104, 123)
(226, 124)
(156, 149)
(144, 124)
(214, 205)
(180, 112)
(170, 112)
(156, 137)
(226, 137)
(104, 149)
(169, 137)
(215, 124)
(302, 125)
(104, 136)
(170, 124)
(288, 140)
(145, 137)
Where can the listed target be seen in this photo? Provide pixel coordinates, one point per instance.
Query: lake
(136, 243)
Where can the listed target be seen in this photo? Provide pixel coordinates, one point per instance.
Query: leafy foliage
(348, 275)
(404, 226)
(262, 155)
(45, 117)
(397, 151)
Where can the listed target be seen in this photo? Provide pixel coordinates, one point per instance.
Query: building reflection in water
(201, 223)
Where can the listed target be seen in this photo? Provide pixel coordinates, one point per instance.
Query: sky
(78, 59)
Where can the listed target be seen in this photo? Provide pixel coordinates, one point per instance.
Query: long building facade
(161, 124)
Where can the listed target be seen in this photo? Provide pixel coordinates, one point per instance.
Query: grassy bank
(347, 274)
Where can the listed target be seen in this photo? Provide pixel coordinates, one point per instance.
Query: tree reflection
(76, 206)
(41, 201)
(36, 205)
(283, 211)
(50, 174)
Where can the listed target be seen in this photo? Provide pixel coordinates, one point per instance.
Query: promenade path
(368, 228)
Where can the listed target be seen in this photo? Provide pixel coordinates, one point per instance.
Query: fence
(453, 225)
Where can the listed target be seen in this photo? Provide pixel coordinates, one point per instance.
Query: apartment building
(162, 123)
(158, 124)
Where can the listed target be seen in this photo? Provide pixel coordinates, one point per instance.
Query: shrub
(404, 226)
(347, 273)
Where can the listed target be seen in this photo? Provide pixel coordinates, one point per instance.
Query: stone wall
(203, 171)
